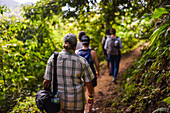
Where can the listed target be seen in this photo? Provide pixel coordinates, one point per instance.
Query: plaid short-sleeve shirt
(72, 72)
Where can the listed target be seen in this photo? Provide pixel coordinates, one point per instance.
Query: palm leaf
(156, 33)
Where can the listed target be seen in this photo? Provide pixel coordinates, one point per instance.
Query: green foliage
(156, 33)
(147, 81)
(167, 100)
(27, 43)
(85, 16)
(27, 105)
(67, 8)
(3, 9)
(161, 110)
(159, 12)
(25, 48)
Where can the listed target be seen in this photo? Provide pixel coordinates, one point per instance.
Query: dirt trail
(105, 86)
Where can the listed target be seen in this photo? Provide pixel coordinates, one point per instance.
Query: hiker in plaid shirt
(73, 73)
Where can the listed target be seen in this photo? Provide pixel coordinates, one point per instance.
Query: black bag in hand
(44, 97)
(43, 101)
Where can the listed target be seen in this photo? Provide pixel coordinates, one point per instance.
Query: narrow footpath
(105, 89)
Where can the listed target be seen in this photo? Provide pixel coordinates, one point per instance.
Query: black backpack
(113, 46)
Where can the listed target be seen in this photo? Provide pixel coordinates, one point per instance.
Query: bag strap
(55, 84)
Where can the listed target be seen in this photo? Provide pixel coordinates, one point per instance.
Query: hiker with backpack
(104, 50)
(73, 73)
(113, 46)
(91, 57)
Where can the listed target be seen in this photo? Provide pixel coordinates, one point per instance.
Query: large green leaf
(156, 33)
(159, 12)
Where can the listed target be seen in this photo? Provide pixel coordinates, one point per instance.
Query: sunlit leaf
(156, 33)
(159, 12)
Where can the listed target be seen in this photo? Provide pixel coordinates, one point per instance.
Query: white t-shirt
(104, 40)
(79, 45)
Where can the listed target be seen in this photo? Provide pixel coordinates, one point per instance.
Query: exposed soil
(105, 89)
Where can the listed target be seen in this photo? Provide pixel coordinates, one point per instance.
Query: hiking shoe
(113, 79)
(93, 110)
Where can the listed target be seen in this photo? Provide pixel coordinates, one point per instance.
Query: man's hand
(90, 103)
(47, 84)
(97, 74)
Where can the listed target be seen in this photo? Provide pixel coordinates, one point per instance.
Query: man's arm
(89, 88)
(48, 74)
(95, 59)
(88, 77)
(120, 43)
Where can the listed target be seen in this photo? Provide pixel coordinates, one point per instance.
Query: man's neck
(70, 50)
(113, 36)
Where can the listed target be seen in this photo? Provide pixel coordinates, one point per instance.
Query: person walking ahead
(91, 57)
(79, 44)
(73, 72)
(113, 46)
(105, 51)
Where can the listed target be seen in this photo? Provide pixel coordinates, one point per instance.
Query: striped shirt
(72, 72)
